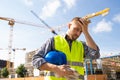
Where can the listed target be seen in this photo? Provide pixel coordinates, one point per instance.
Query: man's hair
(76, 19)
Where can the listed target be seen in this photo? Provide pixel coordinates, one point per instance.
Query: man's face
(74, 30)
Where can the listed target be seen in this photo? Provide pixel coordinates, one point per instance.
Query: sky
(56, 13)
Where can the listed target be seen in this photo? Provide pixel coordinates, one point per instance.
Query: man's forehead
(76, 24)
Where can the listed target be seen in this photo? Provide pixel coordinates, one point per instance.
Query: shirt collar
(67, 38)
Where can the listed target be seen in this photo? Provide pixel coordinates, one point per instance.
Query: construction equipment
(11, 22)
(52, 30)
(15, 49)
(87, 17)
(102, 12)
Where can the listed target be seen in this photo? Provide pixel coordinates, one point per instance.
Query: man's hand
(63, 70)
(60, 70)
(84, 24)
(67, 72)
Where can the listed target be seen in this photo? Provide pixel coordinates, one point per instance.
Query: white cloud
(70, 3)
(117, 18)
(28, 2)
(50, 9)
(103, 26)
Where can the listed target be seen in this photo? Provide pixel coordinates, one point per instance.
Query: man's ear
(69, 24)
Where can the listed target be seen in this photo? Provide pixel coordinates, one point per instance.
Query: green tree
(21, 71)
(0, 73)
(4, 72)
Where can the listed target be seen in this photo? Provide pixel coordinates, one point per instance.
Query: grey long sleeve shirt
(38, 59)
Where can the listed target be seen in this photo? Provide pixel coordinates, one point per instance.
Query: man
(75, 50)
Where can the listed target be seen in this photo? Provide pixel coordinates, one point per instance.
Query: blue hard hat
(56, 57)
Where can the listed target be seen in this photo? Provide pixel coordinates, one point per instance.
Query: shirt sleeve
(38, 58)
(91, 53)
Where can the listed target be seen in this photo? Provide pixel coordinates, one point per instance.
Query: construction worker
(75, 51)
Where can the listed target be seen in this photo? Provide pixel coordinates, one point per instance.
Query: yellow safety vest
(75, 56)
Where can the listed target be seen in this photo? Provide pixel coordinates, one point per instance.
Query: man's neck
(67, 37)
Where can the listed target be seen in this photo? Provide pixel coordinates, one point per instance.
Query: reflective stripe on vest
(75, 56)
(75, 63)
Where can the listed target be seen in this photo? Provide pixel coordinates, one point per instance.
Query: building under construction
(28, 62)
(106, 65)
(111, 67)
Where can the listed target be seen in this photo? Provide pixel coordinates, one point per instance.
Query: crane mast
(11, 23)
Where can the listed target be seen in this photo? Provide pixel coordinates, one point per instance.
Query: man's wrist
(49, 67)
(85, 32)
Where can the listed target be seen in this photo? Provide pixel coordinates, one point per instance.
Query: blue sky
(104, 30)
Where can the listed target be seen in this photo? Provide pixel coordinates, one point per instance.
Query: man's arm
(92, 49)
(38, 58)
(90, 42)
(91, 53)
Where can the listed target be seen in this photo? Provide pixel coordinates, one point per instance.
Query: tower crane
(11, 22)
(103, 12)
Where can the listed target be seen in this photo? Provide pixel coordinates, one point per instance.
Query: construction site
(107, 69)
(104, 68)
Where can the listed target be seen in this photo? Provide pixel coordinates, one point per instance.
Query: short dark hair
(76, 18)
